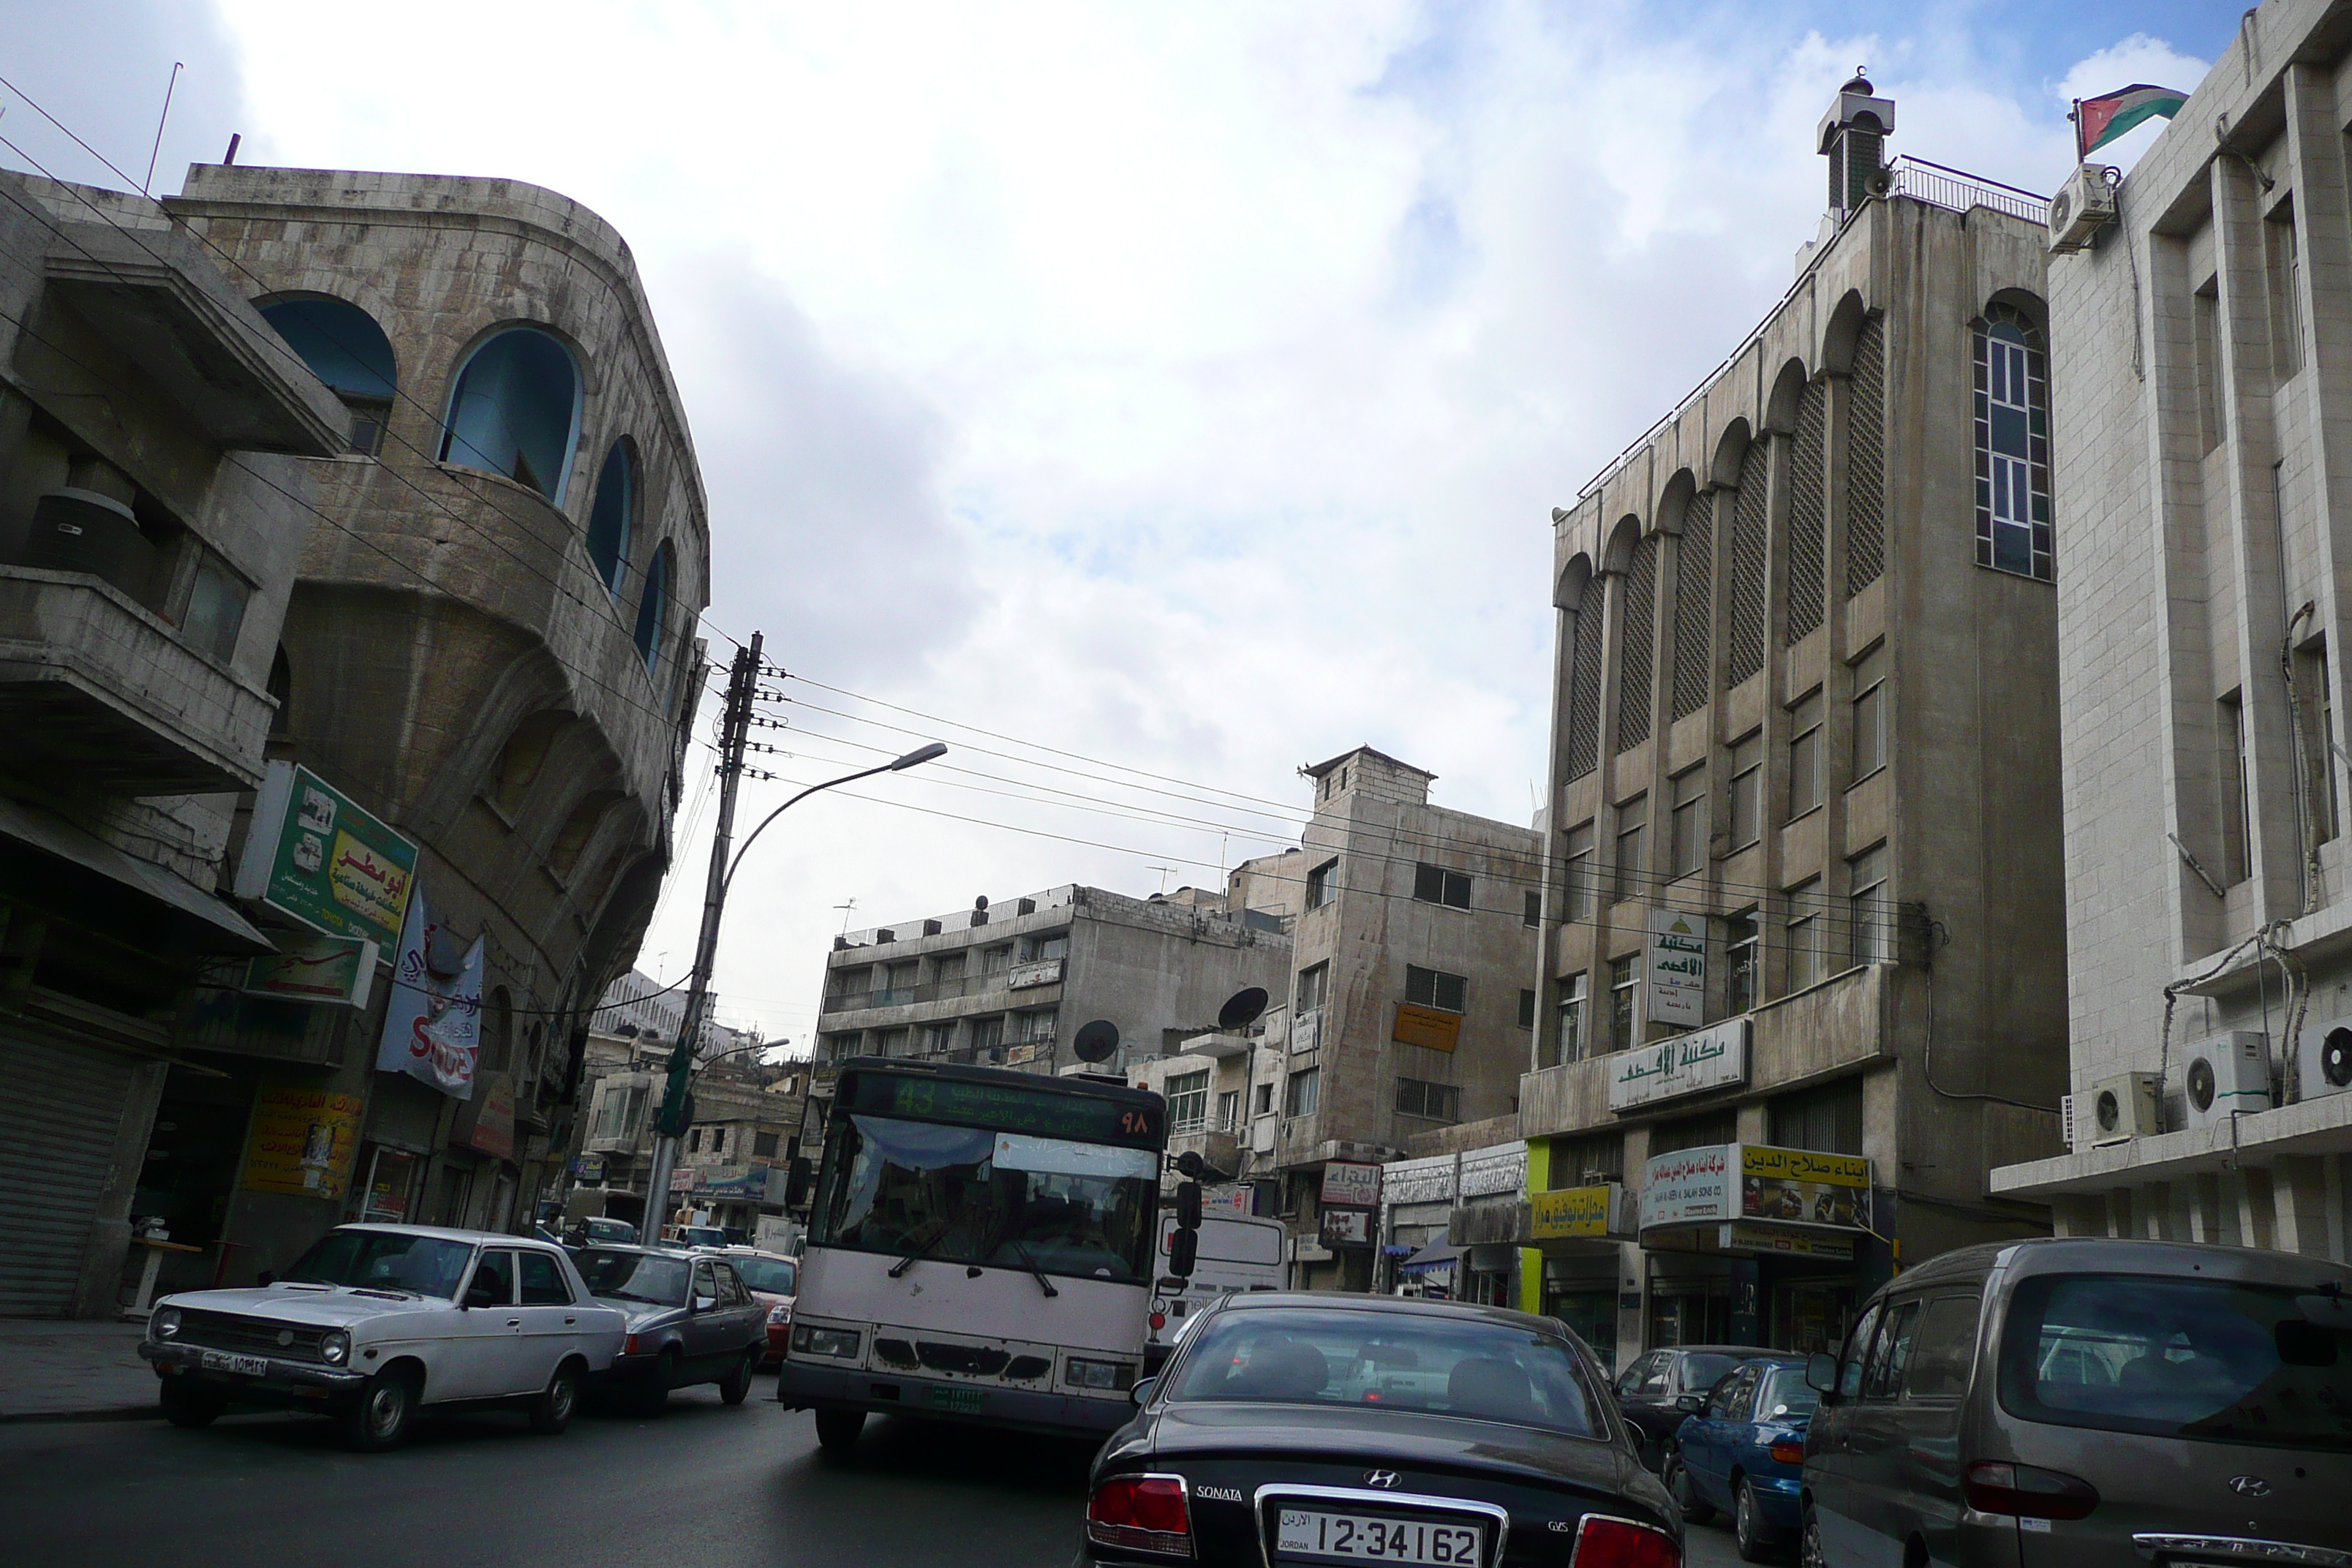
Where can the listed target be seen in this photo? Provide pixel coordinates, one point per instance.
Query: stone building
(1805, 705)
(489, 650)
(1409, 1004)
(747, 1125)
(155, 443)
(2203, 475)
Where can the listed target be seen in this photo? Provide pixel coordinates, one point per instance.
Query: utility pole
(676, 1111)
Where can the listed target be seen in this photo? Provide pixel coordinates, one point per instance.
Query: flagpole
(2081, 156)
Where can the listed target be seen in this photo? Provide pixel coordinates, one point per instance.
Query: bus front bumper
(801, 1386)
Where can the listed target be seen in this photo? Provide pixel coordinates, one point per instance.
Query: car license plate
(966, 1401)
(1348, 1536)
(221, 1361)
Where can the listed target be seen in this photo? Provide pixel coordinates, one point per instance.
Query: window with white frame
(1229, 1111)
(1188, 1102)
(1314, 984)
(1303, 1093)
(1870, 713)
(1571, 1019)
(1808, 950)
(1868, 917)
(1322, 883)
(1584, 888)
(1624, 981)
(2013, 437)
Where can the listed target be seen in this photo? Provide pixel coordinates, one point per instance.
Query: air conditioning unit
(2324, 1052)
(2085, 204)
(2228, 1073)
(2123, 1108)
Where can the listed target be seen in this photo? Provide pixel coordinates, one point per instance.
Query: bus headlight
(1111, 1375)
(840, 1344)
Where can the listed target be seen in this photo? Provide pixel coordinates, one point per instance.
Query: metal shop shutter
(60, 1113)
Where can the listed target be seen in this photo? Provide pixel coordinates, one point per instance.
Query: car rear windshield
(384, 1260)
(772, 1275)
(1701, 1370)
(1445, 1366)
(632, 1276)
(2218, 1359)
(1786, 1396)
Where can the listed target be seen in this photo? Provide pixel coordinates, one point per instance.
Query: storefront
(1574, 1231)
(1748, 1243)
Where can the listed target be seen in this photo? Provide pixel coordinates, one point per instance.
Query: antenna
(1163, 872)
(157, 151)
(845, 910)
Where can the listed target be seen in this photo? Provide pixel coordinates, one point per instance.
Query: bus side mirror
(1188, 1207)
(796, 1183)
(1822, 1373)
(1183, 1251)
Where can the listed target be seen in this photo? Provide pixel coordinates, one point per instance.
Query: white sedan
(377, 1321)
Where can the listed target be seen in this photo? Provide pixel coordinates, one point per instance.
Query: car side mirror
(1188, 1205)
(1822, 1373)
(704, 1303)
(1142, 1393)
(1184, 1252)
(1690, 1403)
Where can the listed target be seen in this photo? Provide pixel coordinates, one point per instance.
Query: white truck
(1236, 1253)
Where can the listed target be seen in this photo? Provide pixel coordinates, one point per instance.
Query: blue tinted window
(341, 344)
(654, 607)
(608, 524)
(514, 411)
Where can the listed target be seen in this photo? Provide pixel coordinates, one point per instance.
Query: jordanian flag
(2099, 120)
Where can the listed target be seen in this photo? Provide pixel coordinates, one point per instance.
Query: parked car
(1741, 1451)
(596, 1230)
(1372, 1427)
(1649, 1389)
(377, 1322)
(2077, 1403)
(690, 1320)
(774, 1281)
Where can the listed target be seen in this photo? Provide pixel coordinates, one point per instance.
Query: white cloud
(1186, 388)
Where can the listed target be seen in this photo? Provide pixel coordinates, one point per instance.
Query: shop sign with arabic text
(1694, 1063)
(1597, 1210)
(314, 856)
(1675, 967)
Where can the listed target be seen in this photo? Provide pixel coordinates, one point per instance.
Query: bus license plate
(1348, 1536)
(964, 1401)
(221, 1361)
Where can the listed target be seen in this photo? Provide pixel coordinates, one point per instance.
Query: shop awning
(81, 867)
(1435, 1256)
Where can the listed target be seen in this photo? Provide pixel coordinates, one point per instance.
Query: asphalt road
(703, 1485)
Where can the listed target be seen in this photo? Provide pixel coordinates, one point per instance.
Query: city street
(703, 1485)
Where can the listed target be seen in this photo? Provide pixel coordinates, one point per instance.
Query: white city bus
(980, 1247)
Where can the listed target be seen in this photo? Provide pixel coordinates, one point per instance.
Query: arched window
(1636, 649)
(515, 410)
(346, 350)
(608, 523)
(523, 755)
(653, 607)
(2012, 429)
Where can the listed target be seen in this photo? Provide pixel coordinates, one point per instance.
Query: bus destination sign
(1041, 1114)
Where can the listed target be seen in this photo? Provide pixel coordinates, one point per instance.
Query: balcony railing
(929, 991)
(1943, 187)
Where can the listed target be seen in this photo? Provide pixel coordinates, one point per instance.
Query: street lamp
(670, 1124)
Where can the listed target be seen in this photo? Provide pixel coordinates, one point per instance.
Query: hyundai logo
(1387, 1478)
(2250, 1485)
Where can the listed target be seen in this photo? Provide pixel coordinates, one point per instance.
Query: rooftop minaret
(1853, 135)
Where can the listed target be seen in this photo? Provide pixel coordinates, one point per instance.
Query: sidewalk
(54, 1370)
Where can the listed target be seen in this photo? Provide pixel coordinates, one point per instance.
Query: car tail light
(630, 1347)
(1788, 1451)
(2026, 1491)
(1141, 1513)
(1605, 1543)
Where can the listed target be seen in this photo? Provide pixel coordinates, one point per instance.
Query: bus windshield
(974, 1195)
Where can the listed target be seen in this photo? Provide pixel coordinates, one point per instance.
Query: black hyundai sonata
(1325, 1429)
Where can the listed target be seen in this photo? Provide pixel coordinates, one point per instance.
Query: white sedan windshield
(384, 1260)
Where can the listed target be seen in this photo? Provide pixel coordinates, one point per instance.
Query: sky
(1144, 400)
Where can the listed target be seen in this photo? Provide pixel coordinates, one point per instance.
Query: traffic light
(676, 1111)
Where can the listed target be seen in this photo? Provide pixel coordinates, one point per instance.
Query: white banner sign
(1690, 1185)
(1687, 1064)
(1676, 968)
(1351, 1186)
(432, 1026)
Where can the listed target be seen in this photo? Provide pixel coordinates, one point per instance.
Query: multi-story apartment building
(153, 500)
(1409, 1007)
(1804, 890)
(1011, 983)
(463, 602)
(2201, 476)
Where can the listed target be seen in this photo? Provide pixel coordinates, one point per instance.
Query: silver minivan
(2077, 1403)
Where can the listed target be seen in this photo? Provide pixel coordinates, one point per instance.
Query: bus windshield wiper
(900, 1267)
(1038, 1274)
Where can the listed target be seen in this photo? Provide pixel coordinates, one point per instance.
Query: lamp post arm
(746, 845)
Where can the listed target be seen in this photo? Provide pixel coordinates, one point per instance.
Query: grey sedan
(690, 1320)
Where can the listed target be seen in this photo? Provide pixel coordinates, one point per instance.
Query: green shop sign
(316, 858)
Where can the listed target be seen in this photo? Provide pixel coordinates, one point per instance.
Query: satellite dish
(1096, 1041)
(980, 902)
(1241, 1009)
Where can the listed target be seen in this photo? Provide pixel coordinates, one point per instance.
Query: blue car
(1742, 1452)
